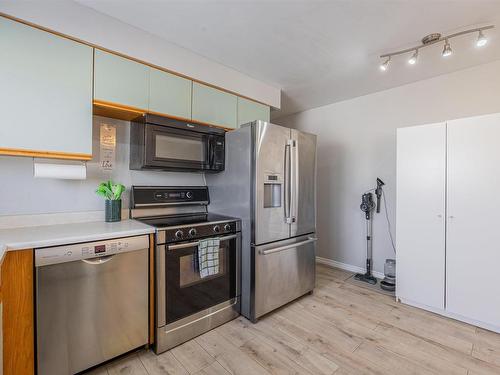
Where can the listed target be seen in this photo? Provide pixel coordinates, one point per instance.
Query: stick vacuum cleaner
(368, 206)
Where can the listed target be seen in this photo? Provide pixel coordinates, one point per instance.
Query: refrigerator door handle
(294, 180)
(291, 246)
(287, 187)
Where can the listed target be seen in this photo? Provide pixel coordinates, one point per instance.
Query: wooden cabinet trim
(151, 289)
(124, 112)
(44, 154)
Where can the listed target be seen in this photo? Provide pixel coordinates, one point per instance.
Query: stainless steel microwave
(162, 143)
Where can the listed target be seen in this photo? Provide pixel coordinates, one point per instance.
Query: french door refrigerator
(270, 184)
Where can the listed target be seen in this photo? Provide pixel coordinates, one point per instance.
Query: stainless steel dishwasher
(91, 303)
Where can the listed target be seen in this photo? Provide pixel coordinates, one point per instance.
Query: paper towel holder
(60, 169)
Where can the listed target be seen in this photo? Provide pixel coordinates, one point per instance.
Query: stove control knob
(192, 232)
(179, 234)
(189, 194)
(216, 229)
(227, 227)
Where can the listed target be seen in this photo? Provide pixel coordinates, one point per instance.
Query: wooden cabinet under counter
(18, 313)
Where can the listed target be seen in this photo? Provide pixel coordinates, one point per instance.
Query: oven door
(186, 292)
(179, 149)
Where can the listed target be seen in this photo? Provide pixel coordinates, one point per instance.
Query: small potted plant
(112, 194)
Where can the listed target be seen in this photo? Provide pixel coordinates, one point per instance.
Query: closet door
(473, 225)
(420, 227)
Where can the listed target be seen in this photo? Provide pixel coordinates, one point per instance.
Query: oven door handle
(196, 243)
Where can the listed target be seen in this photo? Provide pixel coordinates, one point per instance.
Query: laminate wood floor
(339, 329)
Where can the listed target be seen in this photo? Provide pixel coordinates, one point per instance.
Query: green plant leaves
(109, 190)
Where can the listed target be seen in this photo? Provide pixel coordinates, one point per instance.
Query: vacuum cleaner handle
(378, 192)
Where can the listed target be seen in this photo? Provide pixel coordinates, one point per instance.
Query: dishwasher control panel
(89, 250)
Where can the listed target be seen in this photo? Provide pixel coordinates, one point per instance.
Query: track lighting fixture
(481, 39)
(433, 39)
(385, 64)
(447, 49)
(413, 59)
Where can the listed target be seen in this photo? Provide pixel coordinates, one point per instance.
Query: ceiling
(317, 52)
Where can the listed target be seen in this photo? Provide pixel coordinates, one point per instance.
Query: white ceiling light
(447, 49)
(413, 59)
(436, 38)
(481, 39)
(385, 64)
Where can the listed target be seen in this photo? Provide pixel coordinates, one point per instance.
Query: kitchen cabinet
(213, 106)
(18, 323)
(472, 252)
(46, 100)
(169, 94)
(447, 248)
(420, 229)
(120, 81)
(249, 111)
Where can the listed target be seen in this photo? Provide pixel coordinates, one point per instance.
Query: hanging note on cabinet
(107, 147)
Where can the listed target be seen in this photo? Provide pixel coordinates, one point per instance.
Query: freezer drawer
(284, 271)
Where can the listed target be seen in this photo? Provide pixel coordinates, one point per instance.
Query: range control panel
(88, 250)
(192, 232)
(160, 196)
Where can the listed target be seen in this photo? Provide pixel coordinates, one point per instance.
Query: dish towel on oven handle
(208, 257)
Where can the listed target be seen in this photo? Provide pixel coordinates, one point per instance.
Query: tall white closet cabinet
(448, 206)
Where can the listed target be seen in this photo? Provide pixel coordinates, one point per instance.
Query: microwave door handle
(213, 143)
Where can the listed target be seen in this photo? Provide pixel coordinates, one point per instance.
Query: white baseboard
(346, 267)
(451, 315)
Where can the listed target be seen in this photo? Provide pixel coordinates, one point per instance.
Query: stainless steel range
(190, 301)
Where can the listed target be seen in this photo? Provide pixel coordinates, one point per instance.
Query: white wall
(84, 23)
(20, 193)
(357, 144)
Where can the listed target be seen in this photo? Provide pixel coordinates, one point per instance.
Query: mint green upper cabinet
(169, 94)
(46, 93)
(214, 106)
(120, 80)
(249, 111)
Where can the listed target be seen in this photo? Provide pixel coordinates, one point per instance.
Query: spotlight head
(447, 49)
(481, 39)
(413, 59)
(383, 67)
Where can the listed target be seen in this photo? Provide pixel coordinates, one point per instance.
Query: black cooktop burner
(175, 220)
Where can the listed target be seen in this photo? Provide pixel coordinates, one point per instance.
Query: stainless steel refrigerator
(270, 183)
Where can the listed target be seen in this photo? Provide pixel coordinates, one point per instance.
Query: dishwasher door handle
(100, 260)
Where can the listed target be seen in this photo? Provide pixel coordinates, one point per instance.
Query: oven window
(187, 292)
(179, 147)
(188, 276)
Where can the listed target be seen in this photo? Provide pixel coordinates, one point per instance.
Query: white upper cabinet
(249, 111)
(121, 81)
(213, 106)
(169, 94)
(420, 227)
(46, 95)
(472, 247)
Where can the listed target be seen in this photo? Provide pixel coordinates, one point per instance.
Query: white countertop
(61, 234)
